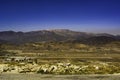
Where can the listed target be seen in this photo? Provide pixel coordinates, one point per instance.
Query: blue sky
(98, 16)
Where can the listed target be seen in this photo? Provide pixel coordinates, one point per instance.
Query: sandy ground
(57, 77)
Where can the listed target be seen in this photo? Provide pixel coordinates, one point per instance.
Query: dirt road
(57, 77)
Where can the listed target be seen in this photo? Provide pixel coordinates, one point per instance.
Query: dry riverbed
(61, 71)
(65, 68)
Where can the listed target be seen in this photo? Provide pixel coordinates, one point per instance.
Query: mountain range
(55, 35)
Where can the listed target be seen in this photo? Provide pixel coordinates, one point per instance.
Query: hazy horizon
(61, 29)
(93, 16)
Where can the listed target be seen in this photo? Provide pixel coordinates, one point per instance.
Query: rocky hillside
(54, 35)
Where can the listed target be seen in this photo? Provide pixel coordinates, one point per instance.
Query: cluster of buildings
(21, 59)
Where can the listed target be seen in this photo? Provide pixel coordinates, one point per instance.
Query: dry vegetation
(53, 58)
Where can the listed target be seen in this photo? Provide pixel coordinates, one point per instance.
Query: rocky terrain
(62, 68)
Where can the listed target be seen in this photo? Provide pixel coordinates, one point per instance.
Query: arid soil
(57, 77)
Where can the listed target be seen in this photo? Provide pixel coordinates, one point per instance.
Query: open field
(61, 58)
(57, 77)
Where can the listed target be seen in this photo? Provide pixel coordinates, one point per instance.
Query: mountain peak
(60, 30)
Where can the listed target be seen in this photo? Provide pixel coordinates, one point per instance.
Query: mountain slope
(54, 35)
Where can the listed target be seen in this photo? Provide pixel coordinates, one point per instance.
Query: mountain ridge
(51, 35)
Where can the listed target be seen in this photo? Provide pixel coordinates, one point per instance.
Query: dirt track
(57, 77)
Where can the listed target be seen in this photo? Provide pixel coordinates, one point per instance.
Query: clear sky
(80, 15)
